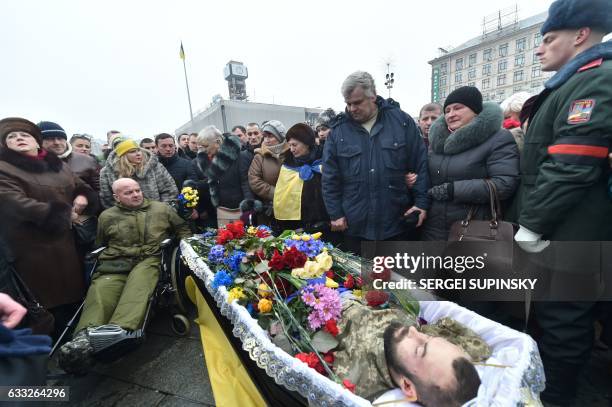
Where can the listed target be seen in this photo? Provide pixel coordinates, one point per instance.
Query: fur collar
(485, 125)
(50, 163)
(66, 154)
(228, 153)
(602, 50)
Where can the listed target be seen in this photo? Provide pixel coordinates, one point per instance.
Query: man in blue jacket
(371, 148)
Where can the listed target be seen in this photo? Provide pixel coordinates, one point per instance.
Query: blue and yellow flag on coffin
(288, 191)
(182, 51)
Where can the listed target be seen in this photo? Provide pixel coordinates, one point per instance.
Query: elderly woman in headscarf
(128, 160)
(40, 197)
(468, 145)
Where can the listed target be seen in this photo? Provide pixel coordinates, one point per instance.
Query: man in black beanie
(564, 172)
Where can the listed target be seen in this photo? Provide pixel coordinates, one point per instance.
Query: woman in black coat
(468, 145)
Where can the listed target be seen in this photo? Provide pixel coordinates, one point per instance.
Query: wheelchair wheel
(177, 276)
(180, 325)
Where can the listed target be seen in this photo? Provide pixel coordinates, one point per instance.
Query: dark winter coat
(564, 166)
(180, 169)
(481, 149)
(228, 175)
(364, 174)
(36, 201)
(84, 166)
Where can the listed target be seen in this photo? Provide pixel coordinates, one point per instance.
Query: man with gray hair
(371, 148)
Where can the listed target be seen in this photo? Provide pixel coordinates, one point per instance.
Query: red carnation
(294, 258)
(329, 358)
(262, 233)
(348, 385)
(237, 229)
(331, 327)
(375, 298)
(224, 236)
(330, 274)
(277, 262)
(349, 282)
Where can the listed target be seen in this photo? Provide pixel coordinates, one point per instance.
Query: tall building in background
(236, 74)
(500, 62)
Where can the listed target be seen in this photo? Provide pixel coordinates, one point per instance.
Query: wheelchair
(110, 341)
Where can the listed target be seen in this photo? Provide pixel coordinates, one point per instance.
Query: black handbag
(38, 319)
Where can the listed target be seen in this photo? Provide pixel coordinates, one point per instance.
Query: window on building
(487, 54)
(503, 50)
(486, 69)
(535, 59)
(443, 68)
(472, 73)
(519, 60)
(472, 60)
(459, 64)
(486, 83)
(502, 65)
(443, 93)
(443, 81)
(537, 39)
(518, 88)
(501, 80)
(536, 71)
(458, 77)
(472, 84)
(518, 75)
(521, 44)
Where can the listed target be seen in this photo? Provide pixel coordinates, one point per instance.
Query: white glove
(530, 241)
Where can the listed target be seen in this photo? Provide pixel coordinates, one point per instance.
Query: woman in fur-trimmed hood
(39, 198)
(468, 145)
(225, 167)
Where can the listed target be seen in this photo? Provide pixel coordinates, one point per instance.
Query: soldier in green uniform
(381, 349)
(132, 232)
(564, 170)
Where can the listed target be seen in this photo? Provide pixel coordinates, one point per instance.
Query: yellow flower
(252, 230)
(317, 235)
(264, 305)
(330, 283)
(311, 269)
(264, 291)
(357, 293)
(305, 238)
(295, 237)
(325, 261)
(235, 293)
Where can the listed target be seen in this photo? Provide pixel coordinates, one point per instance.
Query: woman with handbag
(225, 166)
(467, 146)
(40, 197)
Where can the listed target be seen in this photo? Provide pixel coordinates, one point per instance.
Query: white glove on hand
(530, 241)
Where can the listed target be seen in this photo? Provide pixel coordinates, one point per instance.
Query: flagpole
(186, 82)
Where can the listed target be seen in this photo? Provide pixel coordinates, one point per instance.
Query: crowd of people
(370, 173)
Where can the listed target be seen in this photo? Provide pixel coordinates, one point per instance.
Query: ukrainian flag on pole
(182, 52)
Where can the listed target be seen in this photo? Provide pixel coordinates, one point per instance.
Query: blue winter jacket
(364, 174)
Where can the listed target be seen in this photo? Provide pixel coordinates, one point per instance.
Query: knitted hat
(568, 14)
(11, 124)
(125, 146)
(275, 128)
(52, 130)
(325, 118)
(466, 95)
(302, 132)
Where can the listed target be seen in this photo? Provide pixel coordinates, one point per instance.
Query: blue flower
(208, 234)
(222, 278)
(310, 248)
(264, 227)
(216, 254)
(251, 309)
(234, 260)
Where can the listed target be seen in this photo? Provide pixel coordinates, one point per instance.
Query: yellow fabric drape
(231, 384)
(288, 195)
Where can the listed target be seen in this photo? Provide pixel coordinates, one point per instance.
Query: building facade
(225, 114)
(499, 63)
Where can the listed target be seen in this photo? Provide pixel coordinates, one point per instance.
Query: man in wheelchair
(127, 273)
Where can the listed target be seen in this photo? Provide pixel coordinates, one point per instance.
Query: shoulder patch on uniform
(580, 111)
(592, 64)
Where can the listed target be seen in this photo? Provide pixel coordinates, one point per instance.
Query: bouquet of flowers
(292, 284)
(185, 203)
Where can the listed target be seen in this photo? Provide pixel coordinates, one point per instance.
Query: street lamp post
(389, 79)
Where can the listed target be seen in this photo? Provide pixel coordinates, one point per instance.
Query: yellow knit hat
(124, 147)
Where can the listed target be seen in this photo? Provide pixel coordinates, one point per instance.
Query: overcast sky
(92, 66)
